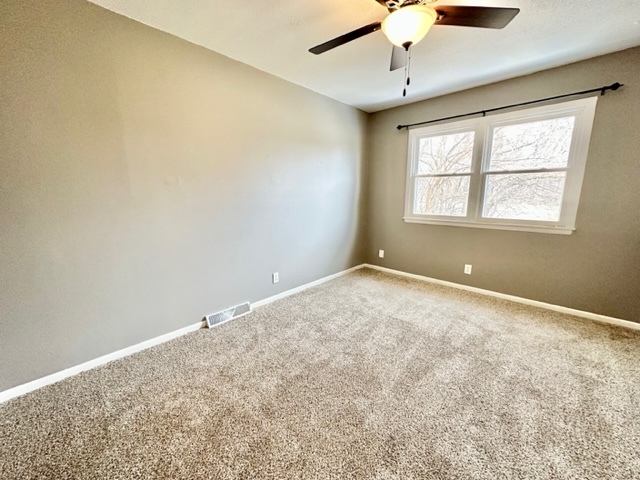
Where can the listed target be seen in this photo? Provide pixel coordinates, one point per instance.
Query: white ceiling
(274, 36)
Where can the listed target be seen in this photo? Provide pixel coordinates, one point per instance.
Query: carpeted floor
(369, 376)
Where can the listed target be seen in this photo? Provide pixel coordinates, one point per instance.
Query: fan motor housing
(396, 4)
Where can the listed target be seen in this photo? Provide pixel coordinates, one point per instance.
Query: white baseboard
(556, 308)
(261, 303)
(96, 362)
(69, 372)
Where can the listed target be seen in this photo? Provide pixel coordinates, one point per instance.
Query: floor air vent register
(229, 314)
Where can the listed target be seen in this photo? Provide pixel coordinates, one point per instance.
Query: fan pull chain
(409, 67)
(407, 71)
(406, 63)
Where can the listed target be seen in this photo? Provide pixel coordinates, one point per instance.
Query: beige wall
(595, 269)
(145, 182)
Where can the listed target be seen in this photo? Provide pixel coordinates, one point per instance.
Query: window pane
(445, 154)
(533, 145)
(442, 196)
(524, 196)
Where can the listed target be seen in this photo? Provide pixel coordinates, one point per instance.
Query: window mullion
(476, 184)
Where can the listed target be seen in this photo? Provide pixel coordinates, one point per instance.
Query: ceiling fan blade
(482, 17)
(398, 58)
(346, 38)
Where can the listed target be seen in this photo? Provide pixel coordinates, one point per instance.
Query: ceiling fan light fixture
(408, 25)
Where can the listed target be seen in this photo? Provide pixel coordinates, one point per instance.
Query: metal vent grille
(228, 314)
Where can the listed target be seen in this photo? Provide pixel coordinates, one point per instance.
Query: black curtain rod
(613, 86)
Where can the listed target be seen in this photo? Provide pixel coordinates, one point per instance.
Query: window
(515, 171)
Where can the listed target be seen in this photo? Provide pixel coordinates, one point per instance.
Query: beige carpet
(369, 376)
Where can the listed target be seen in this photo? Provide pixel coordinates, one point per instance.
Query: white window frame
(584, 112)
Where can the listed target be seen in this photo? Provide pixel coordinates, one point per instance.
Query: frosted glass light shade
(408, 25)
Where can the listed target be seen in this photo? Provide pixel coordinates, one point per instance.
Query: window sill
(493, 226)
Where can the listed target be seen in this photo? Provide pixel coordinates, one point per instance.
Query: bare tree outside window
(441, 186)
(540, 146)
(525, 196)
(534, 145)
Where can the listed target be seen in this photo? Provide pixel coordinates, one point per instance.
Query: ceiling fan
(409, 21)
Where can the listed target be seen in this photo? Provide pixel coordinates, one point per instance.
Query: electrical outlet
(381, 253)
(467, 269)
(275, 277)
